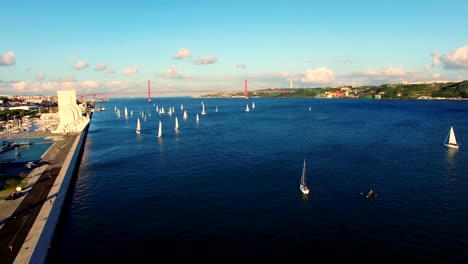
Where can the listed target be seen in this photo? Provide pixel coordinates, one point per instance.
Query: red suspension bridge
(228, 91)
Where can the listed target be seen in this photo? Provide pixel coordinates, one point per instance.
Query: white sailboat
(203, 110)
(197, 118)
(216, 109)
(253, 105)
(160, 129)
(310, 108)
(303, 185)
(452, 141)
(185, 114)
(176, 124)
(125, 112)
(247, 108)
(138, 126)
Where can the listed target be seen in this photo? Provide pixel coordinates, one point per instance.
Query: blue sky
(99, 46)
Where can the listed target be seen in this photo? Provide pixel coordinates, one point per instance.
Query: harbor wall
(39, 241)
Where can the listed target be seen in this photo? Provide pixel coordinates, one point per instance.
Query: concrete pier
(26, 235)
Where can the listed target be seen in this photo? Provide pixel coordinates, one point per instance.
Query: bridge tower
(149, 92)
(246, 93)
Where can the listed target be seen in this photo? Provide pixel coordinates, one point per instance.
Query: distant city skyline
(102, 46)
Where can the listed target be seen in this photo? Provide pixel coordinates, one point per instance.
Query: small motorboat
(370, 194)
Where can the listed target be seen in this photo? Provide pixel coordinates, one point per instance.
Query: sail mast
(303, 178)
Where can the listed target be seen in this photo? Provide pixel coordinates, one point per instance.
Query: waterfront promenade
(23, 220)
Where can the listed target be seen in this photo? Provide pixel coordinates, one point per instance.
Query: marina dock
(28, 223)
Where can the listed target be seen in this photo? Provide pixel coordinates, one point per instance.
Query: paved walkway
(19, 216)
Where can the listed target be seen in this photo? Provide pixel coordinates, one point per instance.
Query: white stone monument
(70, 115)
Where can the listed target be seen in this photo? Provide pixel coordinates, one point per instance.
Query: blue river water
(229, 184)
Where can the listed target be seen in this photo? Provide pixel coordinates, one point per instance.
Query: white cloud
(50, 88)
(80, 65)
(436, 59)
(206, 60)
(456, 59)
(384, 72)
(68, 78)
(291, 77)
(110, 71)
(7, 58)
(182, 53)
(427, 68)
(90, 84)
(130, 70)
(241, 66)
(172, 73)
(100, 67)
(319, 75)
(40, 76)
(19, 86)
(436, 75)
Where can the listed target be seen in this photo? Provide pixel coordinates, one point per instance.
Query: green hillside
(448, 90)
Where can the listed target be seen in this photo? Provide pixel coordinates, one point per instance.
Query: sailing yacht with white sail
(203, 110)
(247, 108)
(185, 114)
(303, 185)
(160, 130)
(176, 128)
(197, 118)
(452, 141)
(138, 126)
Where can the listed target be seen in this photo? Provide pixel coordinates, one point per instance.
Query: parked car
(13, 195)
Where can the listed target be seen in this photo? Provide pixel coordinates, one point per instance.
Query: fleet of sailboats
(303, 185)
(452, 140)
